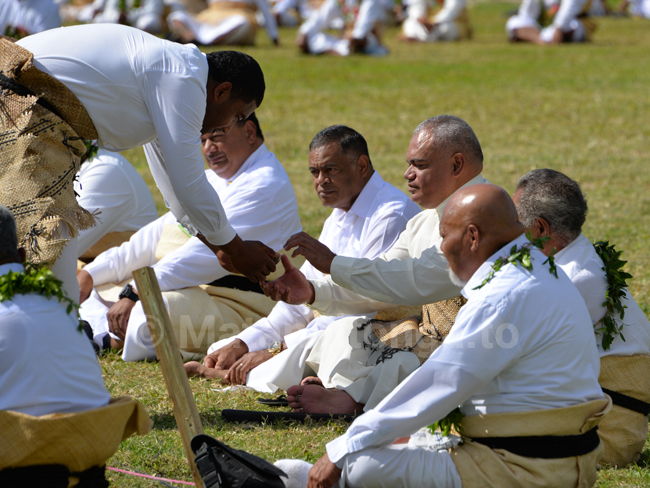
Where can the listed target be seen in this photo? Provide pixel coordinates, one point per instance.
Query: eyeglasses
(220, 131)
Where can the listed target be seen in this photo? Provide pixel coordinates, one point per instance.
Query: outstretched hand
(253, 259)
(292, 287)
(317, 253)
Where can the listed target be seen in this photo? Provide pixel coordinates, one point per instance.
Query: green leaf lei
(522, 256)
(616, 286)
(35, 280)
(91, 151)
(452, 420)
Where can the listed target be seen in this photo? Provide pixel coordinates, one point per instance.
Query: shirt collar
(567, 250)
(481, 273)
(363, 203)
(477, 179)
(253, 159)
(15, 267)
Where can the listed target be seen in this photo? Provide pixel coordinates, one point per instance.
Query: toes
(295, 390)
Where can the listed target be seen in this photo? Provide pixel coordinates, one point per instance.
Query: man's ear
(251, 131)
(363, 163)
(22, 253)
(474, 237)
(542, 226)
(458, 164)
(221, 92)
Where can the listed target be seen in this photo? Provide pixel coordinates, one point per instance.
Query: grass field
(580, 109)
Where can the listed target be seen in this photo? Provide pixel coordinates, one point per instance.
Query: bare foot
(312, 380)
(194, 368)
(316, 399)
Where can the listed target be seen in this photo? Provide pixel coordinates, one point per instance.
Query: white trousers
(230, 30)
(395, 466)
(65, 268)
(445, 31)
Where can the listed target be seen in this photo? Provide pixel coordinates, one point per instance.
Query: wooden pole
(178, 387)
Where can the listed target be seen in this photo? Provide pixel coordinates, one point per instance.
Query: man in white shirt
(147, 16)
(42, 409)
(260, 204)
(364, 16)
(28, 17)
(130, 88)
(514, 363)
(552, 205)
(569, 22)
(111, 188)
(444, 155)
(224, 23)
(369, 215)
(450, 23)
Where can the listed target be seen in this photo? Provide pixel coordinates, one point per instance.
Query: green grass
(580, 109)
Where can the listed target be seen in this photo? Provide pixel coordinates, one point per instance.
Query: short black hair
(242, 71)
(253, 118)
(352, 143)
(556, 198)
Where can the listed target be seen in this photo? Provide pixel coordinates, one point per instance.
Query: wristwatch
(127, 292)
(276, 348)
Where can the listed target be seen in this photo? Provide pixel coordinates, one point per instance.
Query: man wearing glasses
(126, 88)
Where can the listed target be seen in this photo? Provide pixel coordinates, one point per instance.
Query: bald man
(515, 363)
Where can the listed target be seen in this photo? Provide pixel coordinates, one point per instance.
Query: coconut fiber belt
(52, 476)
(628, 402)
(545, 446)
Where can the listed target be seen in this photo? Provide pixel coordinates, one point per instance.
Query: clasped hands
(293, 287)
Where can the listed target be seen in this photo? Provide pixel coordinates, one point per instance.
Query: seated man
(369, 215)
(568, 23)
(552, 205)
(444, 155)
(361, 35)
(20, 18)
(258, 199)
(520, 361)
(146, 15)
(224, 23)
(111, 188)
(45, 412)
(450, 23)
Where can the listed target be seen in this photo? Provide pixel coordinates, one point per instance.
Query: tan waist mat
(624, 432)
(480, 466)
(76, 440)
(40, 154)
(110, 240)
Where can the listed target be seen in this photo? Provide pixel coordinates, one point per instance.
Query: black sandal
(280, 401)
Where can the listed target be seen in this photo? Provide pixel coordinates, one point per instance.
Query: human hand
(292, 287)
(225, 262)
(251, 258)
(85, 285)
(317, 253)
(323, 474)
(225, 357)
(118, 317)
(238, 371)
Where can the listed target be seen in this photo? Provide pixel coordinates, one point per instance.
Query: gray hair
(556, 198)
(453, 135)
(8, 237)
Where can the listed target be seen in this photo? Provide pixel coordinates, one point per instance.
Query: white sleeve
(175, 156)
(270, 24)
(118, 263)
(282, 321)
(320, 19)
(106, 189)
(458, 370)
(569, 10)
(450, 11)
(417, 9)
(370, 12)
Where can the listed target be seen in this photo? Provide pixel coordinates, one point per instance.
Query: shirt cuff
(100, 273)
(322, 294)
(221, 237)
(341, 269)
(337, 450)
(253, 339)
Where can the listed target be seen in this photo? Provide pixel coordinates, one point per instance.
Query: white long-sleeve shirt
(69, 379)
(568, 11)
(372, 225)
(412, 272)
(258, 200)
(581, 263)
(449, 12)
(523, 342)
(139, 89)
(109, 184)
(270, 24)
(370, 11)
(32, 16)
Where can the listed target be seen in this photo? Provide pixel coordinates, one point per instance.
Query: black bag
(221, 466)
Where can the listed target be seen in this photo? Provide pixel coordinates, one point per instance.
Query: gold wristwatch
(275, 348)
